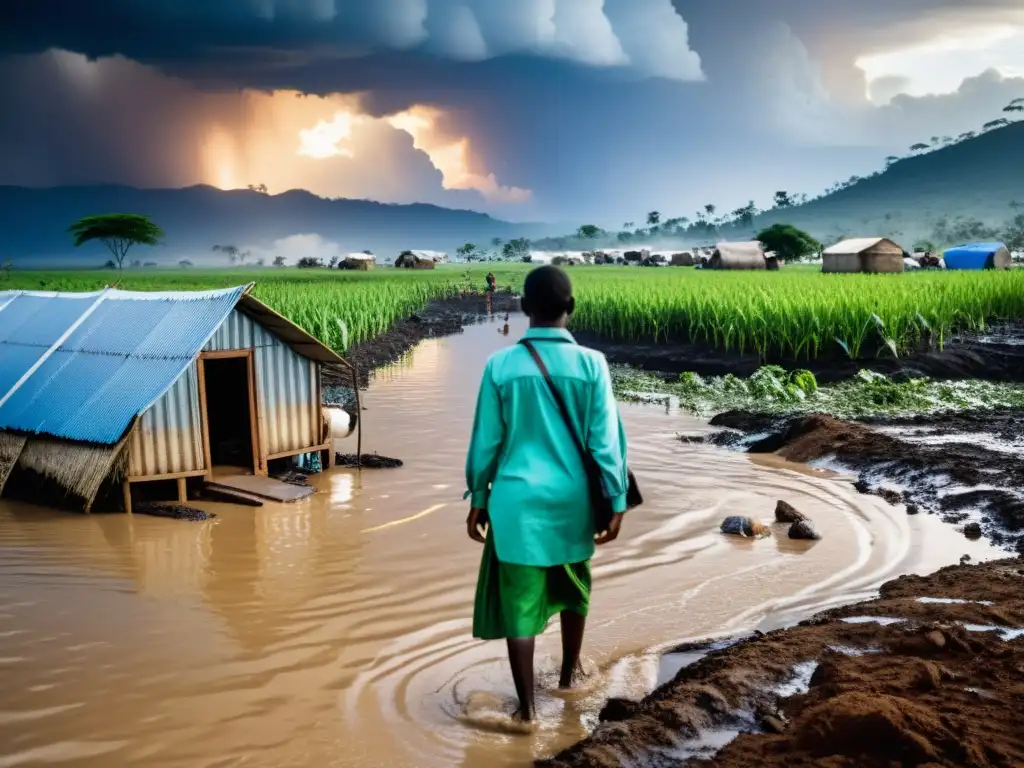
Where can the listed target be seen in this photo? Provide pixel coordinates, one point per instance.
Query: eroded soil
(907, 683)
(956, 465)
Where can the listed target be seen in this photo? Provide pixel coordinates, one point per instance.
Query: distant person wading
(531, 504)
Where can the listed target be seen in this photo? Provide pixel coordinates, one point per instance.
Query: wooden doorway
(230, 413)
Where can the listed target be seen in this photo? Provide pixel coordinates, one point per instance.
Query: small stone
(787, 513)
(913, 509)
(965, 559)
(804, 530)
(617, 710)
(972, 531)
(936, 638)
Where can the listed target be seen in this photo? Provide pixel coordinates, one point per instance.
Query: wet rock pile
(170, 509)
(800, 526)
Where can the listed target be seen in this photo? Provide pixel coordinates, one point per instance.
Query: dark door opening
(228, 411)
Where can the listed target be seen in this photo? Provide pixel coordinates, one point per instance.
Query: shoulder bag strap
(563, 409)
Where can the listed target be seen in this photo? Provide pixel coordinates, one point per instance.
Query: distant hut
(116, 388)
(636, 257)
(361, 261)
(749, 255)
(863, 254)
(415, 260)
(772, 260)
(682, 259)
(978, 256)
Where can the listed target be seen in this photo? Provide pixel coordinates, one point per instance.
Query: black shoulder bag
(600, 505)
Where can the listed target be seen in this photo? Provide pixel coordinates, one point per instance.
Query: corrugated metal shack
(138, 387)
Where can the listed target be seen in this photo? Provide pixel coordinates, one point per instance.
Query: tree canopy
(788, 242)
(117, 231)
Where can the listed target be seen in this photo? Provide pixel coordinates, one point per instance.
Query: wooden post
(204, 417)
(359, 419)
(182, 490)
(126, 489)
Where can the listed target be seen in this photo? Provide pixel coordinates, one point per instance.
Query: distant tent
(415, 260)
(684, 259)
(749, 255)
(978, 256)
(863, 254)
(362, 261)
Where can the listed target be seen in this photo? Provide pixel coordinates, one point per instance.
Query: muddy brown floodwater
(336, 631)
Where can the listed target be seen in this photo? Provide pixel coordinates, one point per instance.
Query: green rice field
(796, 313)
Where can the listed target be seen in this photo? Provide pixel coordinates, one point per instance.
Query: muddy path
(966, 467)
(930, 673)
(444, 317)
(997, 355)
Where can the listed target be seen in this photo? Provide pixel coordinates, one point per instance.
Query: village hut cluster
(880, 255)
(101, 393)
(420, 259)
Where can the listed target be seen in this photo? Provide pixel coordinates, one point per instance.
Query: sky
(576, 111)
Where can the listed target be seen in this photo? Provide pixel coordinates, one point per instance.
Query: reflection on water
(336, 631)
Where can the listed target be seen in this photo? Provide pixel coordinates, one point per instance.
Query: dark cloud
(603, 113)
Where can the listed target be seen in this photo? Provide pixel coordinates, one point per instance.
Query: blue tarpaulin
(973, 256)
(83, 366)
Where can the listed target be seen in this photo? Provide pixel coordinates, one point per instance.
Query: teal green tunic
(523, 466)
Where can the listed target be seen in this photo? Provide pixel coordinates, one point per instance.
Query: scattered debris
(368, 461)
(171, 509)
(738, 525)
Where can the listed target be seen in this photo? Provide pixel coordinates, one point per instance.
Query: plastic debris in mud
(738, 525)
(366, 461)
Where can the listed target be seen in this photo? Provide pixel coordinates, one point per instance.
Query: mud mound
(946, 463)
(939, 683)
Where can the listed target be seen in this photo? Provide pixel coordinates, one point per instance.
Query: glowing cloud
(325, 138)
(452, 156)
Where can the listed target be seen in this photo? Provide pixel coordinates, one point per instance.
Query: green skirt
(519, 600)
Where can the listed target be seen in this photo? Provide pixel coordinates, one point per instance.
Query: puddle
(884, 621)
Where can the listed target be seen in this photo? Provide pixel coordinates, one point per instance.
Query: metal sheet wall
(286, 385)
(168, 437)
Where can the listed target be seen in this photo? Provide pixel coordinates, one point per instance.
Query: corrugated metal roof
(83, 366)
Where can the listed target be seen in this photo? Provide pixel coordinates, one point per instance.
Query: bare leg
(520, 656)
(572, 643)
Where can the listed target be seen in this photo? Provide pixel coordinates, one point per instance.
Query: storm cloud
(563, 110)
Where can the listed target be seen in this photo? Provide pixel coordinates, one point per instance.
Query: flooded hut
(360, 261)
(978, 256)
(123, 387)
(682, 259)
(416, 260)
(863, 254)
(749, 255)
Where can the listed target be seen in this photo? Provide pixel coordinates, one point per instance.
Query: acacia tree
(653, 218)
(919, 147)
(588, 232)
(117, 231)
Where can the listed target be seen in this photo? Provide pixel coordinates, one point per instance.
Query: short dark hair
(547, 294)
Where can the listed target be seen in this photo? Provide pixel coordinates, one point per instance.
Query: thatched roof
(748, 255)
(857, 245)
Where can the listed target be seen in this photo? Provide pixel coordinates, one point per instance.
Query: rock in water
(787, 513)
(972, 531)
(738, 525)
(803, 529)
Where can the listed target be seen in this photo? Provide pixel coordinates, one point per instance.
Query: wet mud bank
(997, 355)
(928, 674)
(443, 317)
(967, 467)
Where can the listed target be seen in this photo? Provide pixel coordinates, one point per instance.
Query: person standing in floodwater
(530, 503)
